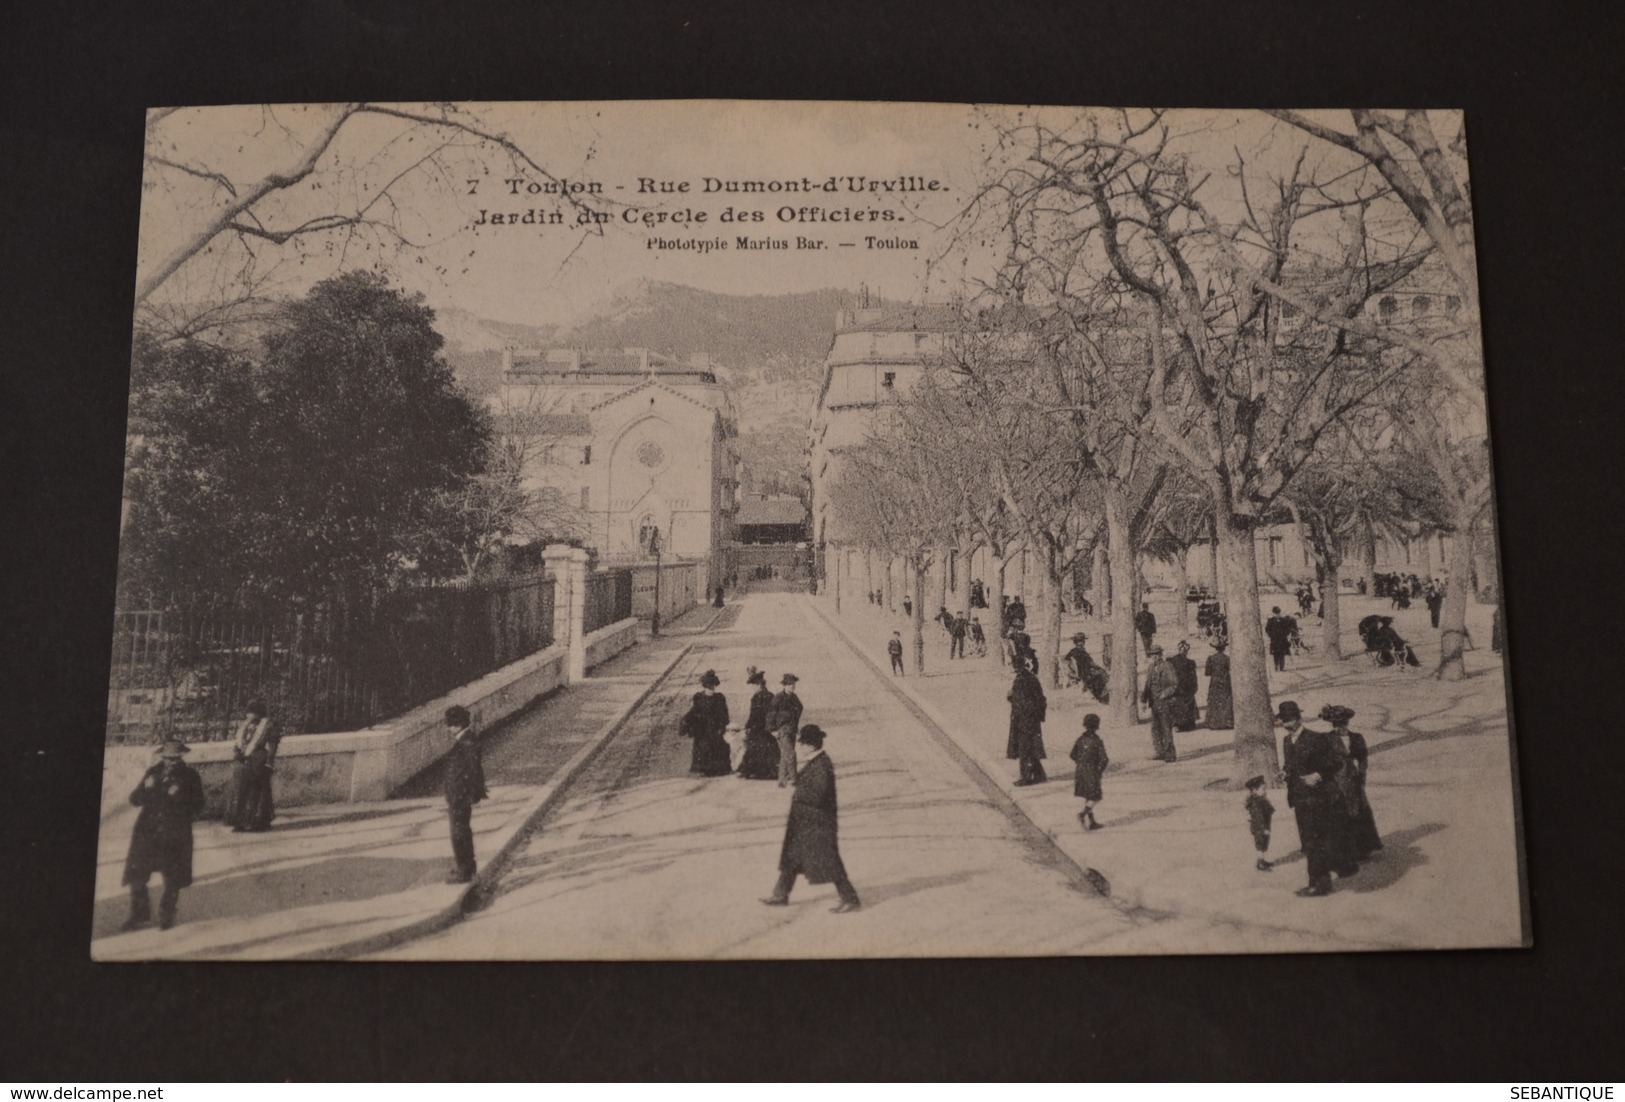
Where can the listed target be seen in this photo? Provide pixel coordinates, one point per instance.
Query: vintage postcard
(739, 530)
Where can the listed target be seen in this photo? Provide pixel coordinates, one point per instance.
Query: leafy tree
(311, 470)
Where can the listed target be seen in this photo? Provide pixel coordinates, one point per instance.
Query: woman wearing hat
(254, 751)
(1221, 707)
(1311, 762)
(1028, 709)
(170, 797)
(706, 723)
(1362, 826)
(761, 760)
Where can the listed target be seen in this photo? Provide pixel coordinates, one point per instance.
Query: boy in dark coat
(895, 650)
(170, 796)
(1090, 755)
(465, 787)
(811, 846)
(1259, 814)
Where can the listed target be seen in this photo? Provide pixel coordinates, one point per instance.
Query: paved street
(643, 861)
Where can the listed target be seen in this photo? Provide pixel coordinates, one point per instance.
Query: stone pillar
(569, 567)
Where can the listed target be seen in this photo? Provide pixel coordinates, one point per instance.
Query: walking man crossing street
(811, 846)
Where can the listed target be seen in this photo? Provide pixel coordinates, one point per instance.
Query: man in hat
(170, 797)
(1161, 687)
(1082, 669)
(1311, 763)
(783, 718)
(1279, 629)
(811, 847)
(1145, 622)
(465, 787)
(254, 752)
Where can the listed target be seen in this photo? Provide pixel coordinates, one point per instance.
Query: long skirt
(251, 807)
(1362, 827)
(1221, 708)
(710, 756)
(1324, 833)
(761, 760)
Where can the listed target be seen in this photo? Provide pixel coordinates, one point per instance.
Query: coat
(1028, 708)
(162, 839)
(1364, 838)
(761, 760)
(1161, 684)
(1279, 631)
(1184, 699)
(1090, 755)
(811, 846)
(706, 723)
(465, 774)
(1323, 826)
(785, 713)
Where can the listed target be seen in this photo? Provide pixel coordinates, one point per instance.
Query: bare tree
(1237, 402)
(326, 177)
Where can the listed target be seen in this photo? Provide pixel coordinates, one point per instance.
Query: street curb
(512, 835)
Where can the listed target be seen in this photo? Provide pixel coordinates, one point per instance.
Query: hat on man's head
(1288, 710)
(457, 716)
(789, 679)
(1256, 782)
(812, 735)
(754, 676)
(1184, 644)
(173, 748)
(1078, 637)
(1336, 713)
(256, 707)
(710, 679)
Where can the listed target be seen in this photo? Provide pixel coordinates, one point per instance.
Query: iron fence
(608, 599)
(337, 666)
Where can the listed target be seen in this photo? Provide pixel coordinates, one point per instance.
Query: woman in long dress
(706, 723)
(1221, 710)
(761, 760)
(1027, 712)
(1363, 838)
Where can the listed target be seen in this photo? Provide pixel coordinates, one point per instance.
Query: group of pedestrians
(773, 735)
(1325, 775)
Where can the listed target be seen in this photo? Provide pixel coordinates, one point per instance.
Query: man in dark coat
(1279, 630)
(761, 760)
(1145, 622)
(811, 846)
(254, 752)
(894, 649)
(958, 628)
(170, 797)
(1435, 599)
(1028, 708)
(1161, 686)
(783, 718)
(1184, 705)
(465, 787)
(1311, 764)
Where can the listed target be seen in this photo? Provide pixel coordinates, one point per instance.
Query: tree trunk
(967, 553)
(868, 573)
(839, 556)
(1053, 620)
(918, 589)
(1331, 628)
(996, 604)
(1182, 581)
(1453, 614)
(1124, 677)
(1426, 560)
(1213, 565)
(1100, 584)
(889, 587)
(1366, 550)
(1255, 751)
(942, 578)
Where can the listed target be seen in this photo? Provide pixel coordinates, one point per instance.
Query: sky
(434, 195)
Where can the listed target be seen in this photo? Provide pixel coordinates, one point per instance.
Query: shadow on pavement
(344, 879)
(1397, 857)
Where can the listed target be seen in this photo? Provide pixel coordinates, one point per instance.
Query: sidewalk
(338, 880)
(1175, 840)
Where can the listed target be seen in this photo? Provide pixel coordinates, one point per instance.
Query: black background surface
(1541, 87)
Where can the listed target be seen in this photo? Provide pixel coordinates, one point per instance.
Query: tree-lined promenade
(1188, 340)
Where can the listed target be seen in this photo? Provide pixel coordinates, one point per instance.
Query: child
(1090, 755)
(895, 649)
(1259, 813)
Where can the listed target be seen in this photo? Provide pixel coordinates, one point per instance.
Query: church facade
(640, 446)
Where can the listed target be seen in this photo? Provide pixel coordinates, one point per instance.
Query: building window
(586, 497)
(888, 379)
(1420, 305)
(1452, 303)
(1387, 307)
(586, 455)
(1275, 550)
